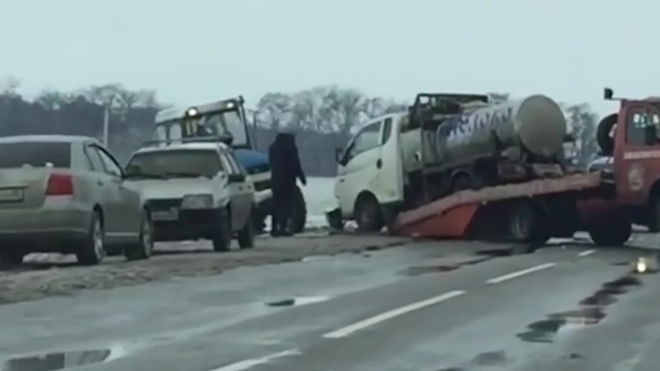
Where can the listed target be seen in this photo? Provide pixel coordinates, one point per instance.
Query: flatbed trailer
(532, 212)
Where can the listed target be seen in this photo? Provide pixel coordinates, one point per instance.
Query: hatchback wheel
(247, 235)
(223, 234)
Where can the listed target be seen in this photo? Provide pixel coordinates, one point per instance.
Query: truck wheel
(615, 232)
(368, 214)
(145, 245)
(296, 223)
(246, 236)
(654, 222)
(461, 182)
(11, 258)
(526, 224)
(222, 236)
(259, 223)
(92, 250)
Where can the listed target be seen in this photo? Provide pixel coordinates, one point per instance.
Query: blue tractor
(227, 121)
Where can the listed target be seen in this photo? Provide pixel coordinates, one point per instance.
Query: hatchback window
(175, 163)
(36, 154)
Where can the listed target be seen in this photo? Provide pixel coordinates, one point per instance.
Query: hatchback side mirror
(339, 152)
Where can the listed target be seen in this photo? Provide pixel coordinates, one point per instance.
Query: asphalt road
(422, 307)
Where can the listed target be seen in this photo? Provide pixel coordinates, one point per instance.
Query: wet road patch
(297, 301)
(445, 265)
(591, 312)
(58, 360)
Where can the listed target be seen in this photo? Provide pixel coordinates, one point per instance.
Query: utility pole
(106, 121)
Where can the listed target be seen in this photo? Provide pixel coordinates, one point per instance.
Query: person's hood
(172, 188)
(285, 139)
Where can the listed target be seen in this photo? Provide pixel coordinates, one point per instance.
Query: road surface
(422, 307)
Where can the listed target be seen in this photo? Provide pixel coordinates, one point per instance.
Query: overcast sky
(201, 50)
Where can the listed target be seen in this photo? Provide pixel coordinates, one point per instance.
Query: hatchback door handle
(379, 163)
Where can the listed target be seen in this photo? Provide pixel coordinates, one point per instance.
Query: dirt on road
(42, 276)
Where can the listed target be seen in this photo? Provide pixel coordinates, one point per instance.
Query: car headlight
(197, 202)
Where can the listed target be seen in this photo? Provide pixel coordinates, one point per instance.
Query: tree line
(324, 118)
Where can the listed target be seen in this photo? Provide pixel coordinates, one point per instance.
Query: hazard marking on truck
(464, 125)
(636, 178)
(642, 155)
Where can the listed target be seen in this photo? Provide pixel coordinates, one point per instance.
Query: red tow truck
(605, 202)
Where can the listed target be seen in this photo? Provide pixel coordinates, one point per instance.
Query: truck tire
(11, 258)
(262, 212)
(461, 182)
(368, 214)
(223, 234)
(605, 142)
(298, 212)
(615, 232)
(526, 224)
(654, 218)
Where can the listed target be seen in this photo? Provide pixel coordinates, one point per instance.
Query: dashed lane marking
(345, 331)
(517, 274)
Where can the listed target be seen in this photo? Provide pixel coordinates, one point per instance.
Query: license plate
(165, 216)
(11, 194)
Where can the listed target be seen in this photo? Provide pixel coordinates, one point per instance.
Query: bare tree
(10, 86)
(273, 110)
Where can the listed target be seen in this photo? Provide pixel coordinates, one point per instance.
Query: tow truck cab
(636, 156)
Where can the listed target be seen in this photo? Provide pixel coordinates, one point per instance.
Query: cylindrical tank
(535, 123)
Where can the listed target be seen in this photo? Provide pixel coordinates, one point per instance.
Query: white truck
(444, 144)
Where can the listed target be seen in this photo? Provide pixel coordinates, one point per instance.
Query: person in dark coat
(285, 169)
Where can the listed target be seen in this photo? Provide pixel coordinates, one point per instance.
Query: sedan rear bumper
(43, 230)
(55, 241)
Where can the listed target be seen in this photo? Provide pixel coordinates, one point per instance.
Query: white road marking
(249, 363)
(345, 331)
(586, 253)
(523, 272)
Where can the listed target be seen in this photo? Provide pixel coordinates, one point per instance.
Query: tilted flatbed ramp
(451, 216)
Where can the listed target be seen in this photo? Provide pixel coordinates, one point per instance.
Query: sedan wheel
(145, 245)
(92, 251)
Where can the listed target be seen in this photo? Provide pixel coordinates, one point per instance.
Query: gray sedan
(67, 194)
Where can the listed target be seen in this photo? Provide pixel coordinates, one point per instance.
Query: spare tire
(605, 142)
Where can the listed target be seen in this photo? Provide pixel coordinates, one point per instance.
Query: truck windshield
(175, 164)
(207, 124)
(638, 120)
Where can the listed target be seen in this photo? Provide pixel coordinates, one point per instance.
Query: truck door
(637, 161)
(359, 167)
(388, 187)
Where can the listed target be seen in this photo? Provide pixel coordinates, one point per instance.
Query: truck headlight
(197, 202)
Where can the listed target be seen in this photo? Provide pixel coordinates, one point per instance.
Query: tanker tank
(535, 124)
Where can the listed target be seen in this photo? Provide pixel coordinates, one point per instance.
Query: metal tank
(535, 123)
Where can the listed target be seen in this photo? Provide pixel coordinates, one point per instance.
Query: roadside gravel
(48, 275)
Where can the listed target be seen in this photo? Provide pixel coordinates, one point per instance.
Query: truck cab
(632, 137)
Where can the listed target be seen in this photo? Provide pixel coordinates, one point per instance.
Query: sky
(196, 51)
